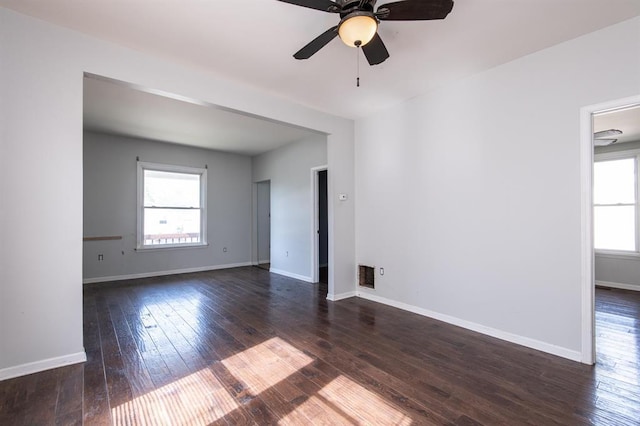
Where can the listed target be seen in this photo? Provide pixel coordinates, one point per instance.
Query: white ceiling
(116, 108)
(252, 42)
(627, 120)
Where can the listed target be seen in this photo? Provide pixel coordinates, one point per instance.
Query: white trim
(315, 220)
(45, 364)
(164, 247)
(621, 286)
(254, 223)
(291, 275)
(255, 249)
(587, 336)
(161, 167)
(587, 276)
(336, 297)
(163, 273)
(500, 334)
(331, 220)
(620, 255)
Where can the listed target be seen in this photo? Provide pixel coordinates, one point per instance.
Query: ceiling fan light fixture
(607, 133)
(358, 28)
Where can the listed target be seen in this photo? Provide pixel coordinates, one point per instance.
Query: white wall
(41, 80)
(469, 196)
(289, 171)
(617, 271)
(110, 208)
(41, 195)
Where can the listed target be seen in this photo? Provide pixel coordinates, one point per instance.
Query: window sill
(171, 247)
(618, 255)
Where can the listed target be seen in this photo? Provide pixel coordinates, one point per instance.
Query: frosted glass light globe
(357, 29)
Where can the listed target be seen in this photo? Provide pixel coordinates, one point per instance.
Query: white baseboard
(291, 275)
(620, 286)
(264, 261)
(45, 364)
(162, 273)
(503, 335)
(340, 296)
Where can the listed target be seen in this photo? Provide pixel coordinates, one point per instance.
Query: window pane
(614, 181)
(615, 228)
(169, 189)
(171, 226)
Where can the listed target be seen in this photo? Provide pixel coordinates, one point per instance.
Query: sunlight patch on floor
(197, 399)
(201, 399)
(263, 366)
(343, 401)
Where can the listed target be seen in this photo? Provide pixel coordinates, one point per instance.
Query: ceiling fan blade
(317, 43)
(604, 142)
(414, 10)
(375, 51)
(324, 5)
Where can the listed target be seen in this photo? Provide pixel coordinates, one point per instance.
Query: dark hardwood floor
(244, 346)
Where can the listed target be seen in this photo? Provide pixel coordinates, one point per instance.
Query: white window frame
(142, 166)
(621, 155)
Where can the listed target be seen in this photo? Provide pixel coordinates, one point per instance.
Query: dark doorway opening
(323, 228)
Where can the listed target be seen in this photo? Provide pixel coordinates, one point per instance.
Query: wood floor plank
(407, 377)
(246, 347)
(69, 400)
(134, 366)
(118, 387)
(95, 399)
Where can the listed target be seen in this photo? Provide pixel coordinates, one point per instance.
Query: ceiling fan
(606, 137)
(359, 23)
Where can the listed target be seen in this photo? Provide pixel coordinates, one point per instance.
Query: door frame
(587, 252)
(255, 252)
(315, 221)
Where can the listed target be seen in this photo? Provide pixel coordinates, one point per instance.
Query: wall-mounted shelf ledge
(107, 238)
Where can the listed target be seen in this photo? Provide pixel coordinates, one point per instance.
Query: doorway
(323, 228)
(320, 226)
(263, 212)
(616, 237)
(589, 127)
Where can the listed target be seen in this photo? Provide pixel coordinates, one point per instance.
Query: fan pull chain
(358, 66)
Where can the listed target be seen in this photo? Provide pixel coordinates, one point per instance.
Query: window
(171, 206)
(615, 203)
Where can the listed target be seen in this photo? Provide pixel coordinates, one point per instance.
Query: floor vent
(366, 275)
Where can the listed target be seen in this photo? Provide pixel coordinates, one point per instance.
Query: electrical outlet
(100, 258)
(381, 271)
(287, 254)
(224, 249)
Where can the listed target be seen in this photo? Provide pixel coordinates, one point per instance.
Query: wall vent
(366, 275)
